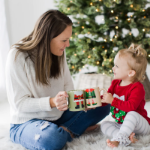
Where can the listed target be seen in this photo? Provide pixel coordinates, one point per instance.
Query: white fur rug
(91, 141)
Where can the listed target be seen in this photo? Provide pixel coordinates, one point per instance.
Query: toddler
(127, 98)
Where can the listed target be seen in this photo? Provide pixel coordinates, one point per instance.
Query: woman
(38, 79)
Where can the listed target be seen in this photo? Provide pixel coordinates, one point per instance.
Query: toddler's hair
(137, 60)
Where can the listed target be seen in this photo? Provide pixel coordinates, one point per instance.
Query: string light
(97, 10)
(76, 34)
(116, 27)
(105, 50)
(83, 66)
(111, 39)
(143, 30)
(88, 32)
(105, 40)
(68, 8)
(105, 59)
(82, 27)
(72, 67)
(83, 51)
(149, 55)
(100, 0)
(110, 60)
(130, 33)
(110, 70)
(129, 19)
(114, 0)
(115, 36)
(103, 47)
(112, 11)
(143, 10)
(75, 54)
(79, 70)
(144, 16)
(89, 56)
(116, 17)
(91, 3)
(70, 1)
(97, 62)
(113, 51)
(131, 6)
(93, 48)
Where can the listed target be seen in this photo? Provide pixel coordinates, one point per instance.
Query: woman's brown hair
(37, 45)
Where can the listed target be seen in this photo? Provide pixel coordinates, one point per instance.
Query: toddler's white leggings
(133, 122)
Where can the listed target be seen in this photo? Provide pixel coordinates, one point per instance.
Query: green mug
(76, 100)
(93, 97)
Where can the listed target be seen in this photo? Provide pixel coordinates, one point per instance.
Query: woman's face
(59, 43)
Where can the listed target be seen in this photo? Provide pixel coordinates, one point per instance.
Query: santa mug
(76, 100)
(93, 97)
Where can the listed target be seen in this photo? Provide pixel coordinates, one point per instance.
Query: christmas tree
(102, 27)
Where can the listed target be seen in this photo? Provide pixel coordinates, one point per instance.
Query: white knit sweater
(28, 99)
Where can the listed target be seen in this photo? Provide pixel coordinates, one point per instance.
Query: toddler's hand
(107, 98)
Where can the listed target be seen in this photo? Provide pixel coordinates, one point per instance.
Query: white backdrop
(4, 48)
(22, 16)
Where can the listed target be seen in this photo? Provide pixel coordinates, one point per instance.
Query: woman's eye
(64, 40)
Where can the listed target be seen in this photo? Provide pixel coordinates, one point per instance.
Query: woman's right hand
(60, 101)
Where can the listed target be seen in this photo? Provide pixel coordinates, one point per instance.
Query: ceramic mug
(76, 100)
(93, 97)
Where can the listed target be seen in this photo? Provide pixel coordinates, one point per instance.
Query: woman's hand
(107, 98)
(60, 101)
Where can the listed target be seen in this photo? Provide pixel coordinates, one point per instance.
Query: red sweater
(128, 98)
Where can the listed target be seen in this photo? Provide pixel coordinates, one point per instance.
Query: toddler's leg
(133, 122)
(110, 128)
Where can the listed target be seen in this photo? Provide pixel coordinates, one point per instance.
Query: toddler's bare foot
(112, 144)
(91, 128)
(132, 138)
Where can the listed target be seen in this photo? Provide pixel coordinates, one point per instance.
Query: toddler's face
(120, 68)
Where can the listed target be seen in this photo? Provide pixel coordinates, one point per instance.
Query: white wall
(22, 16)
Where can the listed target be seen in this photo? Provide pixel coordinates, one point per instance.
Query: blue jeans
(39, 134)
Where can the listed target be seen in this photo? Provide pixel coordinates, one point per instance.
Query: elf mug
(76, 100)
(93, 97)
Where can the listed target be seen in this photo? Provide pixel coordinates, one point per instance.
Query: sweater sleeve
(67, 77)
(137, 95)
(113, 83)
(18, 88)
